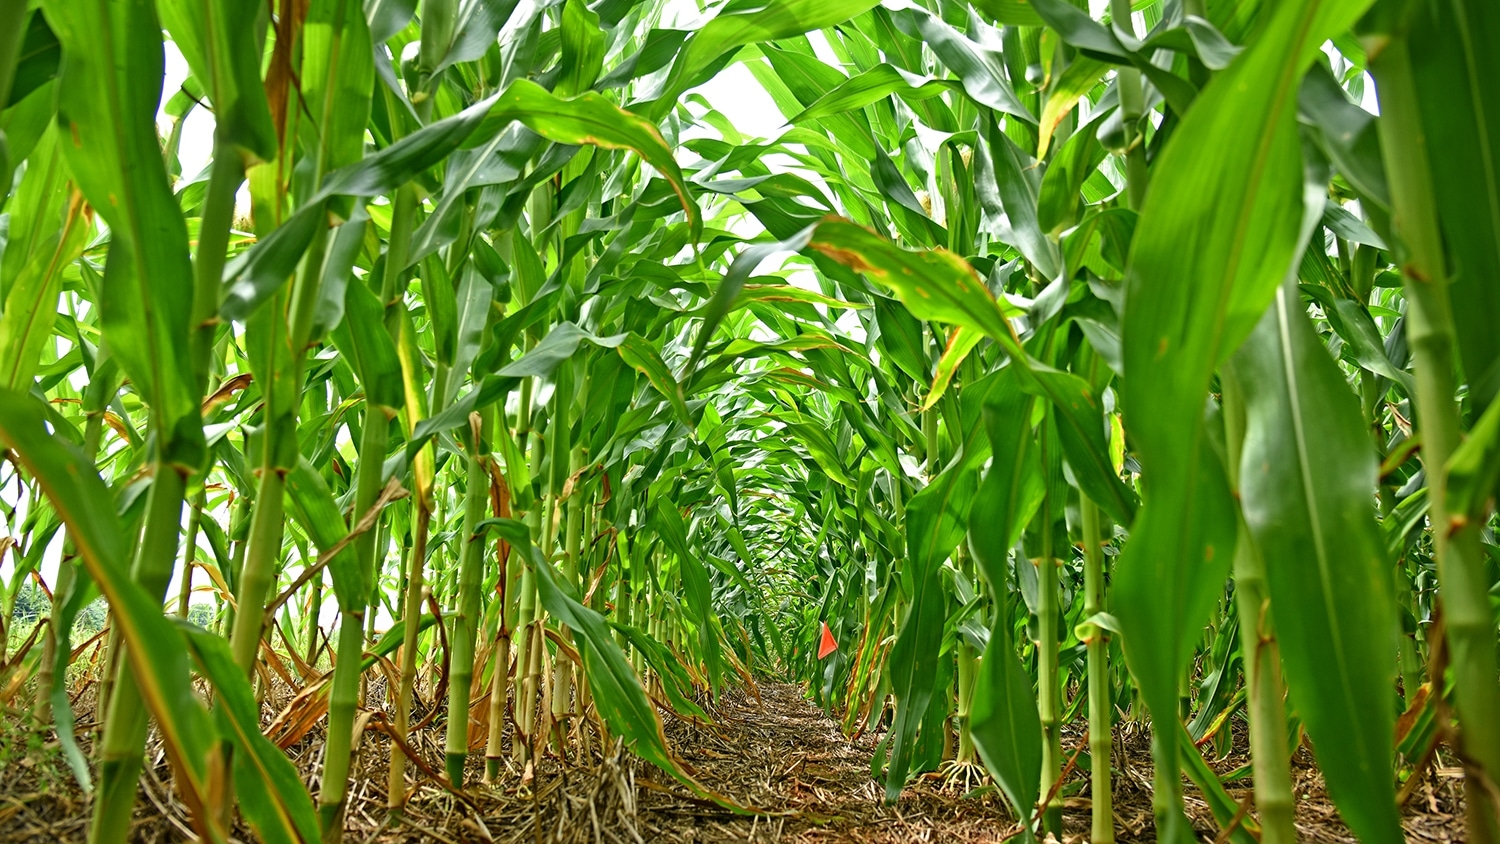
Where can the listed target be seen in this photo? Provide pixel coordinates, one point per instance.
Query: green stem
(528, 616)
(238, 532)
(124, 740)
(1262, 657)
(189, 553)
(311, 622)
(345, 693)
(562, 685)
(225, 177)
(1049, 682)
(262, 556)
(279, 453)
(499, 697)
(1132, 106)
(504, 635)
(1101, 711)
(411, 613)
(466, 619)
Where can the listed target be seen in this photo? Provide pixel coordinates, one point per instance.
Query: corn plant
(1113, 363)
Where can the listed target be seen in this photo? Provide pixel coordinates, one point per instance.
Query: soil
(770, 749)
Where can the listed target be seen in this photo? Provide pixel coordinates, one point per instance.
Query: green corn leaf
(271, 795)
(1353, 323)
(808, 79)
(1012, 204)
(1347, 134)
(728, 292)
(319, 514)
(933, 523)
(1454, 68)
(910, 218)
(1080, 429)
(337, 80)
(1010, 12)
(1004, 722)
(338, 269)
(872, 86)
(473, 168)
(1063, 94)
(936, 519)
(476, 311)
(979, 68)
(673, 531)
(960, 343)
(442, 309)
(823, 450)
(1012, 488)
(582, 49)
(1219, 231)
(106, 113)
(362, 336)
(642, 356)
(1225, 808)
(1071, 166)
(901, 339)
(474, 27)
(388, 17)
(32, 293)
(1305, 480)
(36, 206)
(1474, 468)
(737, 24)
(558, 346)
(68, 602)
(37, 55)
(591, 119)
(676, 683)
(618, 693)
(934, 284)
(1099, 43)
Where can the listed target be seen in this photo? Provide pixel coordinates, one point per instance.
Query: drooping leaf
(934, 284)
(618, 692)
(644, 359)
(587, 119)
(978, 67)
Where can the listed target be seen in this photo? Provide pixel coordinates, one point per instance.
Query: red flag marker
(827, 645)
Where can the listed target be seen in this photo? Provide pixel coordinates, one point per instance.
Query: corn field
(1055, 372)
